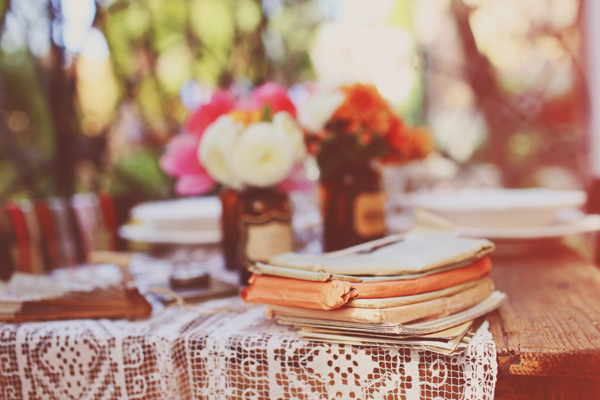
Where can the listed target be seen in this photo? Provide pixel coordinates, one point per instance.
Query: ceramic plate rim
(430, 200)
(587, 223)
(144, 235)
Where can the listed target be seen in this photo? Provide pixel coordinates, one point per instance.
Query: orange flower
(398, 141)
(246, 117)
(381, 133)
(422, 142)
(364, 110)
(407, 143)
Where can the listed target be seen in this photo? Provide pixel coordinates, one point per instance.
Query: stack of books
(427, 288)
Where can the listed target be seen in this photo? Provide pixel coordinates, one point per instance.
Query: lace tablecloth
(230, 351)
(234, 353)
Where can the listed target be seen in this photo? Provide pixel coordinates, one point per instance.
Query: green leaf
(267, 114)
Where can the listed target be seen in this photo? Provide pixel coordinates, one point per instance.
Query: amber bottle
(263, 228)
(229, 232)
(353, 206)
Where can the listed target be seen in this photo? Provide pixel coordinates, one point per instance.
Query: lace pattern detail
(233, 354)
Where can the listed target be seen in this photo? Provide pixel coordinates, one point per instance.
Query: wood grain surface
(550, 324)
(519, 387)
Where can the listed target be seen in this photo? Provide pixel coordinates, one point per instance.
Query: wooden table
(548, 331)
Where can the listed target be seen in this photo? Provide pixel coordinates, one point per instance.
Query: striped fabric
(66, 231)
(8, 245)
(44, 234)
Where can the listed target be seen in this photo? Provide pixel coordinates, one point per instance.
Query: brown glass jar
(353, 206)
(262, 228)
(229, 232)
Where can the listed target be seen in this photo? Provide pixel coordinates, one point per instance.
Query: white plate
(186, 214)
(498, 207)
(145, 235)
(517, 240)
(529, 240)
(533, 239)
(584, 223)
(575, 223)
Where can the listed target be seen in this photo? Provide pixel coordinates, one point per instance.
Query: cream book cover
(401, 314)
(415, 328)
(431, 244)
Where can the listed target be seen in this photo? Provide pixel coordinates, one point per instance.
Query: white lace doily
(234, 353)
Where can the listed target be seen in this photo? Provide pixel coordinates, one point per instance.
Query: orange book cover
(294, 292)
(335, 293)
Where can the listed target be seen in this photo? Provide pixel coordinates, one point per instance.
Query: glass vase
(353, 206)
(257, 224)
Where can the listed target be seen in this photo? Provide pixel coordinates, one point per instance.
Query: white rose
(215, 148)
(286, 123)
(262, 156)
(318, 109)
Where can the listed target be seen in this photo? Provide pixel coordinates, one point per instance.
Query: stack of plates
(182, 221)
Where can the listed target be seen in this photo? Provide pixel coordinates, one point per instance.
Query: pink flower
(181, 161)
(181, 157)
(221, 102)
(270, 94)
(190, 185)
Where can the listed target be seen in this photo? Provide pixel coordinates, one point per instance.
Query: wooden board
(550, 323)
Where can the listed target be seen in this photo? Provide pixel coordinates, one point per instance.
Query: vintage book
(435, 308)
(391, 328)
(415, 298)
(449, 341)
(445, 334)
(319, 276)
(335, 293)
(479, 268)
(446, 343)
(98, 291)
(418, 251)
(298, 293)
(455, 347)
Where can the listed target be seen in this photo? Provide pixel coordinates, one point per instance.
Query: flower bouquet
(352, 130)
(250, 146)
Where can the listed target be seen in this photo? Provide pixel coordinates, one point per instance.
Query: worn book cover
(335, 293)
(409, 329)
(418, 251)
(435, 308)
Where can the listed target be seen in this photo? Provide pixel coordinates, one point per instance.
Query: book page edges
(402, 314)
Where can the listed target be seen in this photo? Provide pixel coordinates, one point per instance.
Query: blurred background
(91, 91)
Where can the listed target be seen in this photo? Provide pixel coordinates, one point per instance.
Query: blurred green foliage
(155, 47)
(68, 125)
